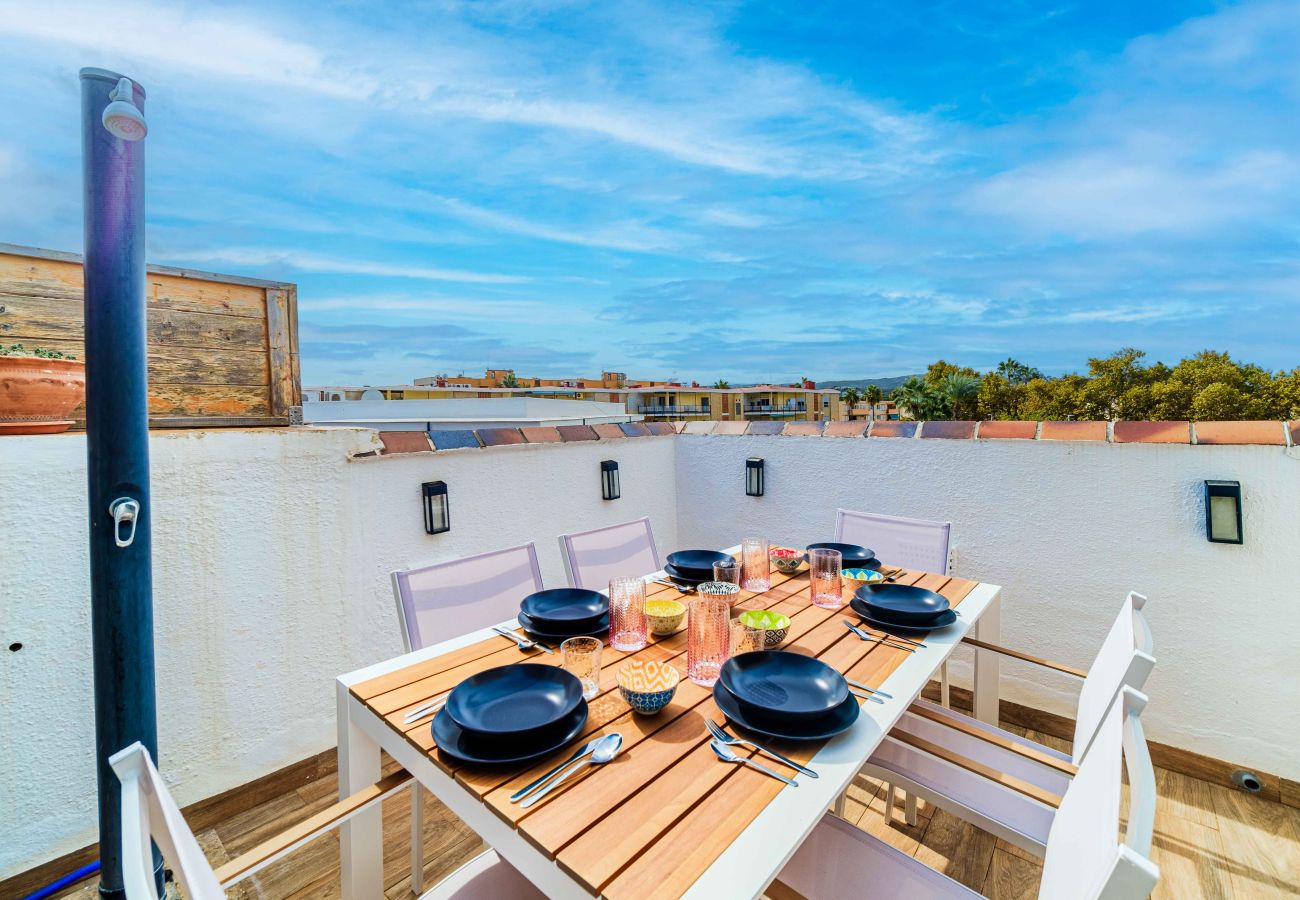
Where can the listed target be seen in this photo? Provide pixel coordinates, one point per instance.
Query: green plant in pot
(39, 389)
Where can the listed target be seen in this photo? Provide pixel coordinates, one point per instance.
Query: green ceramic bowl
(775, 626)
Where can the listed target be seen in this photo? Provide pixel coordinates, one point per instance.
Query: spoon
(606, 749)
(726, 754)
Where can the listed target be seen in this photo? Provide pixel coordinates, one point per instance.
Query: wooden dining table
(666, 818)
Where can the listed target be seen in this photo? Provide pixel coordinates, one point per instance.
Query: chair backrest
(1124, 659)
(149, 812)
(452, 598)
(592, 558)
(1084, 858)
(910, 543)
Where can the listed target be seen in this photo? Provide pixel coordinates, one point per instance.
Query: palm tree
(957, 390)
(873, 394)
(722, 384)
(850, 396)
(916, 397)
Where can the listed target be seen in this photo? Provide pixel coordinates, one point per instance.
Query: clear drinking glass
(757, 564)
(582, 661)
(708, 631)
(825, 567)
(628, 628)
(746, 638)
(728, 571)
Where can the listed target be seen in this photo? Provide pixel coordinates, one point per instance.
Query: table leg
(988, 628)
(361, 838)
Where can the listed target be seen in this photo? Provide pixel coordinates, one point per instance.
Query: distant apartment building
(654, 401)
(884, 411)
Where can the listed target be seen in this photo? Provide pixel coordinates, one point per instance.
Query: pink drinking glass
(757, 564)
(628, 628)
(708, 631)
(825, 567)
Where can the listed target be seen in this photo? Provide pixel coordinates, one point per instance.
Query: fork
(718, 732)
(879, 640)
(522, 643)
(870, 690)
(726, 754)
(420, 712)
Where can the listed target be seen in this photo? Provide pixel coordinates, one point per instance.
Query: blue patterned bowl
(647, 685)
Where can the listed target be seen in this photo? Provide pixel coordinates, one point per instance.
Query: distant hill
(885, 384)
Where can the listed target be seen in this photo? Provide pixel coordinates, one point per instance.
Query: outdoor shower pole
(117, 454)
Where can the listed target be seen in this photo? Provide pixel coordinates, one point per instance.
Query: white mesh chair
(998, 780)
(149, 812)
(448, 599)
(592, 558)
(1084, 858)
(917, 544)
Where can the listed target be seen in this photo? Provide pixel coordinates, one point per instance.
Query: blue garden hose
(66, 881)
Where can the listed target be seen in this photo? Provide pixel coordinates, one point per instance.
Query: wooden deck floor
(1210, 842)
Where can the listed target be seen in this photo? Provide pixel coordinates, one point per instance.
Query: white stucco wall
(272, 553)
(1067, 529)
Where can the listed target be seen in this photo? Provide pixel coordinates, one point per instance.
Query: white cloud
(312, 262)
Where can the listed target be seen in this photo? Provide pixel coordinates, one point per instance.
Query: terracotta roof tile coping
(1240, 433)
(1153, 432)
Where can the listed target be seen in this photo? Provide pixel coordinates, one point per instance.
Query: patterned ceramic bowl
(774, 625)
(664, 616)
(856, 578)
(647, 684)
(787, 561)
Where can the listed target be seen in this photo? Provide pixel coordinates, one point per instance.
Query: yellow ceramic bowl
(665, 616)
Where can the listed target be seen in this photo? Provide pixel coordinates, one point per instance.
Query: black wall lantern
(754, 476)
(1223, 512)
(609, 480)
(437, 514)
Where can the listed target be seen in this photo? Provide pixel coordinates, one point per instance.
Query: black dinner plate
(779, 682)
(697, 563)
(906, 604)
(840, 719)
(560, 632)
(862, 612)
(565, 607)
(467, 746)
(514, 701)
(686, 578)
(854, 556)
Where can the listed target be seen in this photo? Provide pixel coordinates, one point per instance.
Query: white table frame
(745, 868)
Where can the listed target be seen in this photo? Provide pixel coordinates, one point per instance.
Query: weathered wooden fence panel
(223, 350)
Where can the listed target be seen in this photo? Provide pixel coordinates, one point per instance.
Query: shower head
(121, 117)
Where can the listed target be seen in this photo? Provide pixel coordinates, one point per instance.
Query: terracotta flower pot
(37, 395)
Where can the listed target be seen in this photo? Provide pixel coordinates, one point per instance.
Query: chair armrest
(1019, 785)
(1016, 654)
(998, 740)
(309, 829)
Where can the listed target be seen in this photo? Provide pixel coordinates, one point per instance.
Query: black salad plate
(903, 603)
(514, 701)
(558, 631)
(784, 684)
(840, 719)
(467, 746)
(696, 563)
(862, 612)
(687, 578)
(563, 607)
(854, 556)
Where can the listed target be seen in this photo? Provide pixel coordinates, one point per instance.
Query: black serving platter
(562, 608)
(861, 610)
(838, 720)
(561, 631)
(696, 563)
(785, 684)
(854, 556)
(686, 578)
(491, 749)
(515, 701)
(906, 604)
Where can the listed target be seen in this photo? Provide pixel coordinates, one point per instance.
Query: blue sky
(743, 190)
